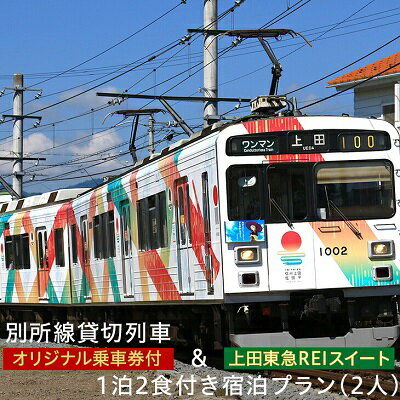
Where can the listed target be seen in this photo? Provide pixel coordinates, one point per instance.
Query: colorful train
(268, 231)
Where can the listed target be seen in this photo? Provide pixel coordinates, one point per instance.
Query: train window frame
(20, 247)
(59, 247)
(41, 239)
(318, 217)
(152, 222)
(74, 244)
(84, 239)
(229, 191)
(104, 235)
(308, 194)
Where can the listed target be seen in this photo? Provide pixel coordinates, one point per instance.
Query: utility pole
(18, 130)
(151, 134)
(137, 113)
(210, 59)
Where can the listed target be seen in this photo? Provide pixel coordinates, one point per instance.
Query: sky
(71, 50)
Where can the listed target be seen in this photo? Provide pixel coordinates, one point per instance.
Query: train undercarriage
(314, 318)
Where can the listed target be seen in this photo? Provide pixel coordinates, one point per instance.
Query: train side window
(9, 248)
(154, 228)
(84, 236)
(125, 228)
(152, 217)
(59, 247)
(74, 244)
(111, 234)
(104, 235)
(97, 238)
(181, 210)
(162, 205)
(189, 226)
(41, 245)
(17, 251)
(142, 225)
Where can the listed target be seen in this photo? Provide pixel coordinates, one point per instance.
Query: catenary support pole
(151, 134)
(18, 132)
(210, 59)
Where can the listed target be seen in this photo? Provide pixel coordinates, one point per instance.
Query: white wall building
(378, 97)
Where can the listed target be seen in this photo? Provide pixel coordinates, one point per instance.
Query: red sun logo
(291, 241)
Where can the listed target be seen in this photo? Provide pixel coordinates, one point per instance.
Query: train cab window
(244, 184)
(59, 246)
(74, 245)
(152, 226)
(354, 190)
(104, 235)
(17, 251)
(287, 191)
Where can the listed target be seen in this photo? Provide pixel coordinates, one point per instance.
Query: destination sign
(300, 142)
(312, 141)
(254, 145)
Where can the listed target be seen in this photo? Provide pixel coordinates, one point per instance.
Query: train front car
(311, 232)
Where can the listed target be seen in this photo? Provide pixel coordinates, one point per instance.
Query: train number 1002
(336, 251)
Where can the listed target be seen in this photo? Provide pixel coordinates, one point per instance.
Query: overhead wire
(219, 17)
(225, 50)
(351, 87)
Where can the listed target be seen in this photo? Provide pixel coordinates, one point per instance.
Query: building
(378, 97)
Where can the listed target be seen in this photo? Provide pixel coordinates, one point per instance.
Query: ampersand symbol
(198, 362)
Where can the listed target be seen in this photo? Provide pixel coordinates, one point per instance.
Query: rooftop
(371, 70)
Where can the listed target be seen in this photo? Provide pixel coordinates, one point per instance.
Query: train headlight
(247, 255)
(378, 249)
(382, 273)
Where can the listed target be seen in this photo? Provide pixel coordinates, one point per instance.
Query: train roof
(63, 195)
(217, 126)
(56, 196)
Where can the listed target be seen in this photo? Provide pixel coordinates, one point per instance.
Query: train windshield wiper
(284, 216)
(345, 219)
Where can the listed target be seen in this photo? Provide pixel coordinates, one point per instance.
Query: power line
(346, 66)
(351, 87)
(181, 41)
(312, 40)
(116, 44)
(62, 176)
(92, 71)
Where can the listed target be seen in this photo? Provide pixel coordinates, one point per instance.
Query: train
(271, 230)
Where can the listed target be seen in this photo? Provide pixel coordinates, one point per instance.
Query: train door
(126, 249)
(184, 236)
(290, 238)
(43, 261)
(207, 234)
(85, 255)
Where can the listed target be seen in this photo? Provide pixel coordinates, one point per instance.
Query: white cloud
(96, 142)
(104, 160)
(36, 142)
